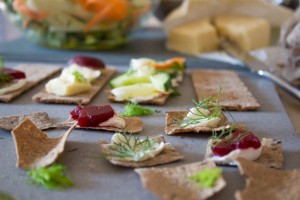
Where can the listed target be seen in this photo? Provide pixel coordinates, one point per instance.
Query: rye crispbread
(173, 121)
(234, 94)
(40, 119)
(33, 147)
(173, 184)
(266, 183)
(271, 154)
(132, 125)
(80, 99)
(160, 100)
(35, 73)
(169, 154)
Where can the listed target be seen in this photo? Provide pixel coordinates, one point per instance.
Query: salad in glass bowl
(77, 24)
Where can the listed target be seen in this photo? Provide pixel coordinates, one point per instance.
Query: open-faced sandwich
(15, 81)
(103, 118)
(132, 151)
(148, 81)
(78, 83)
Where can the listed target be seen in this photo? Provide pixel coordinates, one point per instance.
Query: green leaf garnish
(5, 196)
(52, 177)
(133, 109)
(206, 178)
(1, 63)
(175, 94)
(5, 78)
(79, 77)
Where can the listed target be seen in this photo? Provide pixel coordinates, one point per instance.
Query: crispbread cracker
(133, 125)
(40, 119)
(33, 147)
(173, 184)
(266, 183)
(169, 154)
(172, 124)
(160, 100)
(82, 98)
(234, 94)
(35, 73)
(271, 154)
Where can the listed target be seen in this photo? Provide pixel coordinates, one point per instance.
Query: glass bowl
(77, 24)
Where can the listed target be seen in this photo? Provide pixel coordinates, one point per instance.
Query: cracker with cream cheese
(266, 183)
(271, 154)
(172, 183)
(168, 154)
(35, 73)
(34, 148)
(81, 98)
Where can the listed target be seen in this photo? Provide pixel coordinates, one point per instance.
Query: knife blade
(257, 66)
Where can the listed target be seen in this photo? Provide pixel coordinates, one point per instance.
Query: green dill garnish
(175, 93)
(133, 109)
(5, 196)
(5, 78)
(52, 177)
(79, 77)
(1, 63)
(206, 178)
(131, 147)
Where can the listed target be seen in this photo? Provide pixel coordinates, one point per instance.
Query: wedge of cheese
(194, 37)
(247, 32)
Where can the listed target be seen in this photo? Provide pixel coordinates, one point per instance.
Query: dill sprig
(133, 109)
(79, 77)
(206, 178)
(5, 78)
(1, 63)
(131, 146)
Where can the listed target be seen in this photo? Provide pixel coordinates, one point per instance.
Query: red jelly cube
(91, 116)
(16, 74)
(76, 112)
(87, 61)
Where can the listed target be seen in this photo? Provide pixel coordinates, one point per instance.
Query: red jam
(15, 74)
(86, 61)
(238, 140)
(91, 116)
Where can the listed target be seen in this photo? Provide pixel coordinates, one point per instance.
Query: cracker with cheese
(34, 148)
(182, 182)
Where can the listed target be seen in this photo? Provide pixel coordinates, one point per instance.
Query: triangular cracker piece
(172, 124)
(80, 99)
(160, 100)
(271, 155)
(169, 154)
(234, 95)
(40, 119)
(33, 147)
(35, 73)
(173, 183)
(133, 125)
(266, 183)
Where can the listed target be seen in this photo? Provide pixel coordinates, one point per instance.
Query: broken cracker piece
(173, 183)
(271, 154)
(266, 183)
(169, 154)
(33, 147)
(81, 98)
(40, 119)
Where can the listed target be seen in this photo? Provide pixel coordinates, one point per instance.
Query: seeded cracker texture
(173, 183)
(234, 95)
(33, 147)
(266, 183)
(169, 154)
(160, 100)
(82, 98)
(132, 125)
(271, 155)
(40, 119)
(35, 73)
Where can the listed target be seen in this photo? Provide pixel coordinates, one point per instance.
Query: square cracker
(132, 125)
(40, 119)
(172, 126)
(82, 98)
(35, 73)
(234, 94)
(33, 147)
(266, 183)
(173, 184)
(271, 154)
(169, 154)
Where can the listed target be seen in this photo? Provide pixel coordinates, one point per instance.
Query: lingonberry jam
(86, 61)
(91, 116)
(238, 140)
(15, 74)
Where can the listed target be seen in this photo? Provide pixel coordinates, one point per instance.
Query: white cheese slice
(89, 74)
(13, 87)
(114, 121)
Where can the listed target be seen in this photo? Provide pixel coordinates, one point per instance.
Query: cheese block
(247, 32)
(194, 37)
